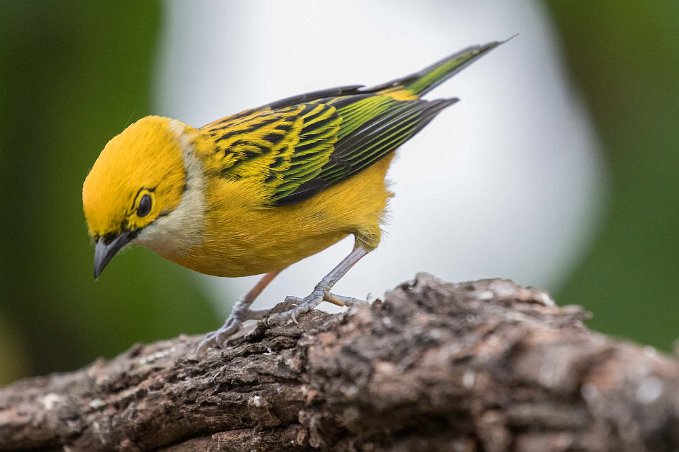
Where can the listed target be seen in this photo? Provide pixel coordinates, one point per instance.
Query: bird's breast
(240, 234)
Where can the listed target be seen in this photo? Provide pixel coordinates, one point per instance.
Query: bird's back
(291, 178)
(300, 146)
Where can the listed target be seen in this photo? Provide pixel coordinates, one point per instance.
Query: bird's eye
(144, 206)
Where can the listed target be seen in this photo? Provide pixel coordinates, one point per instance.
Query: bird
(255, 192)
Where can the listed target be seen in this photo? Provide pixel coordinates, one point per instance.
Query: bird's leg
(239, 313)
(321, 291)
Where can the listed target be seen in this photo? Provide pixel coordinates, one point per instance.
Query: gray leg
(321, 291)
(239, 313)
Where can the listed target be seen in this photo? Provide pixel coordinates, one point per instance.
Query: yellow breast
(243, 237)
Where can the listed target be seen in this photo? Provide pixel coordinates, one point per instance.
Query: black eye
(144, 206)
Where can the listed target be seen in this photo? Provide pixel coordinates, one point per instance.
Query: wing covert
(281, 148)
(298, 150)
(372, 127)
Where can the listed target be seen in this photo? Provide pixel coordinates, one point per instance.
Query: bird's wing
(297, 150)
(298, 146)
(372, 126)
(280, 148)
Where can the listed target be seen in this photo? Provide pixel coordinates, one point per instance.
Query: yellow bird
(255, 192)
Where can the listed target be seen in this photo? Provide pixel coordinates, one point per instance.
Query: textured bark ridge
(479, 366)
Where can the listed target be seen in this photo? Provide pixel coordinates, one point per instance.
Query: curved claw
(299, 307)
(206, 344)
(217, 339)
(289, 303)
(229, 328)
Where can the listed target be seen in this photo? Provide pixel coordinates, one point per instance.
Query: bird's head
(138, 179)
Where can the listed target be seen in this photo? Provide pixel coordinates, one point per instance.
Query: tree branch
(486, 365)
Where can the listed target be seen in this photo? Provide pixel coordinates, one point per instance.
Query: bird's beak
(104, 252)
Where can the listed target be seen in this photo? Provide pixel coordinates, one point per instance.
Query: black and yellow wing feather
(297, 147)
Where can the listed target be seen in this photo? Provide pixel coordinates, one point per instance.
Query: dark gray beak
(105, 250)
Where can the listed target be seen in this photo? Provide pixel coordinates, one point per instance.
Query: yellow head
(139, 178)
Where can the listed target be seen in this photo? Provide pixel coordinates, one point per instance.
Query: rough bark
(484, 365)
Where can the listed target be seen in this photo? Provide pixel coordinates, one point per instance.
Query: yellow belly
(241, 237)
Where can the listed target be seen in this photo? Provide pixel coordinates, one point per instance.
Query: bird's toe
(208, 342)
(294, 307)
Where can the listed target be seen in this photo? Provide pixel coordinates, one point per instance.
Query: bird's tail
(415, 85)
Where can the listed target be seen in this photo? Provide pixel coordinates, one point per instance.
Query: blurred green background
(624, 57)
(73, 74)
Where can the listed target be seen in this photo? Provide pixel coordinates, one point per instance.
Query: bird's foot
(217, 339)
(290, 309)
(295, 307)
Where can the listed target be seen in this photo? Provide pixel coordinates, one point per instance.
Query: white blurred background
(506, 183)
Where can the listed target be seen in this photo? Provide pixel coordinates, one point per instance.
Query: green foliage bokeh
(624, 59)
(74, 74)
